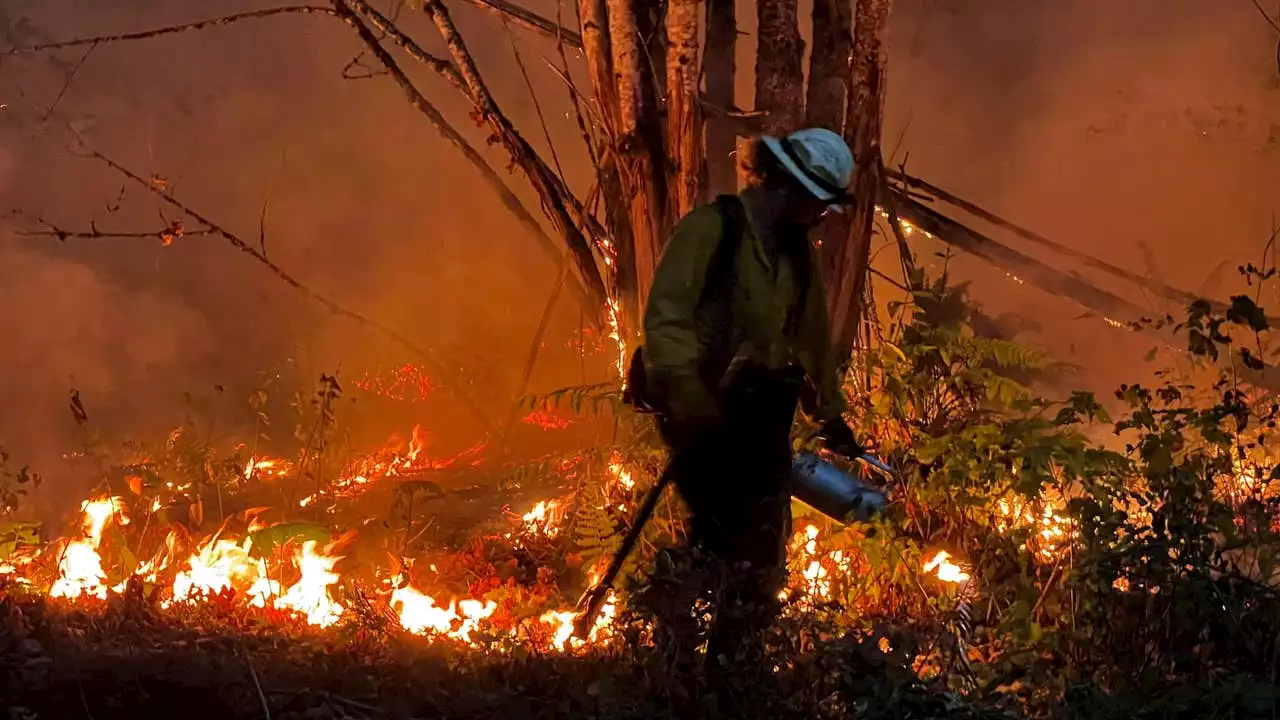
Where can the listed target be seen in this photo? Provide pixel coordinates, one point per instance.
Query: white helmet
(818, 159)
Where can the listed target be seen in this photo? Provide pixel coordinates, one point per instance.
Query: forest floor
(223, 663)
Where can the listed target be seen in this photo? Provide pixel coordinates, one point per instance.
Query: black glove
(838, 437)
(689, 430)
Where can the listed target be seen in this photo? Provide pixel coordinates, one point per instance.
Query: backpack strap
(733, 219)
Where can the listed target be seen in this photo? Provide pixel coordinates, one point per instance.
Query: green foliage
(14, 483)
(15, 535)
(264, 542)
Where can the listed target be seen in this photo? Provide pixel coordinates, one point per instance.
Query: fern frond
(1006, 354)
(579, 398)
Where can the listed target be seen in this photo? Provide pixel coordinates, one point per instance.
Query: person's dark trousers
(735, 478)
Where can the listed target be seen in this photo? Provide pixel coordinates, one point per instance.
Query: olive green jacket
(688, 346)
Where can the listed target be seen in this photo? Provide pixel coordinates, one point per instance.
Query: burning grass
(1017, 564)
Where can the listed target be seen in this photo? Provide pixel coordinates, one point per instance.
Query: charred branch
(438, 121)
(388, 27)
(531, 20)
(1154, 286)
(555, 198)
(174, 230)
(175, 29)
(1118, 312)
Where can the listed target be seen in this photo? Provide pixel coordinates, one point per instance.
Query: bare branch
(71, 76)
(332, 306)
(1273, 22)
(388, 27)
(438, 121)
(531, 20)
(174, 29)
(556, 199)
(172, 231)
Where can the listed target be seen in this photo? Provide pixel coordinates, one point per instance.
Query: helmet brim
(784, 159)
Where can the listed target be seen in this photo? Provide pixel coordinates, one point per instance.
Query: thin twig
(266, 201)
(530, 20)
(84, 702)
(67, 84)
(575, 98)
(94, 234)
(393, 33)
(174, 29)
(1265, 16)
(566, 267)
(533, 95)
(332, 306)
(262, 697)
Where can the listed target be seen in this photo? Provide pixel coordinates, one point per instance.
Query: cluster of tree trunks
(668, 135)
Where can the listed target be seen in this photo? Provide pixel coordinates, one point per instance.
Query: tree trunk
(779, 75)
(630, 145)
(593, 19)
(720, 67)
(829, 64)
(847, 239)
(684, 111)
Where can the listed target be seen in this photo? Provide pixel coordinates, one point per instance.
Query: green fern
(1006, 354)
(579, 399)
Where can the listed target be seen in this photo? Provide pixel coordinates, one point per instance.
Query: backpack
(733, 219)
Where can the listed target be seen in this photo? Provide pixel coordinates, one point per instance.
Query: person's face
(804, 209)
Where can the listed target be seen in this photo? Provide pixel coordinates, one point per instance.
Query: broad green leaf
(263, 542)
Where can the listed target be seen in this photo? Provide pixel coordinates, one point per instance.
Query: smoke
(340, 181)
(1142, 132)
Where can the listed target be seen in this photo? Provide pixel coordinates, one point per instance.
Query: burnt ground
(122, 661)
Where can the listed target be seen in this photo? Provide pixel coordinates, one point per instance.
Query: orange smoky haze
(1142, 132)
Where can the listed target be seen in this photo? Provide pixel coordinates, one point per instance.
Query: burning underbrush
(1018, 566)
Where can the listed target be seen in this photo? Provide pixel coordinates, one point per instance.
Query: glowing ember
(561, 623)
(391, 462)
(541, 520)
(547, 421)
(266, 468)
(1051, 529)
(615, 334)
(621, 474)
(406, 383)
(946, 570)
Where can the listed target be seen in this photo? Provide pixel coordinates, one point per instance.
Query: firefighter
(735, 335)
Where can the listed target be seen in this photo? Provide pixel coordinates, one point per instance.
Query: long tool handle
(876, 463)
(591, 601)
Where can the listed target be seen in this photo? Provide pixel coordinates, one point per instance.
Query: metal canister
(834, 492)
